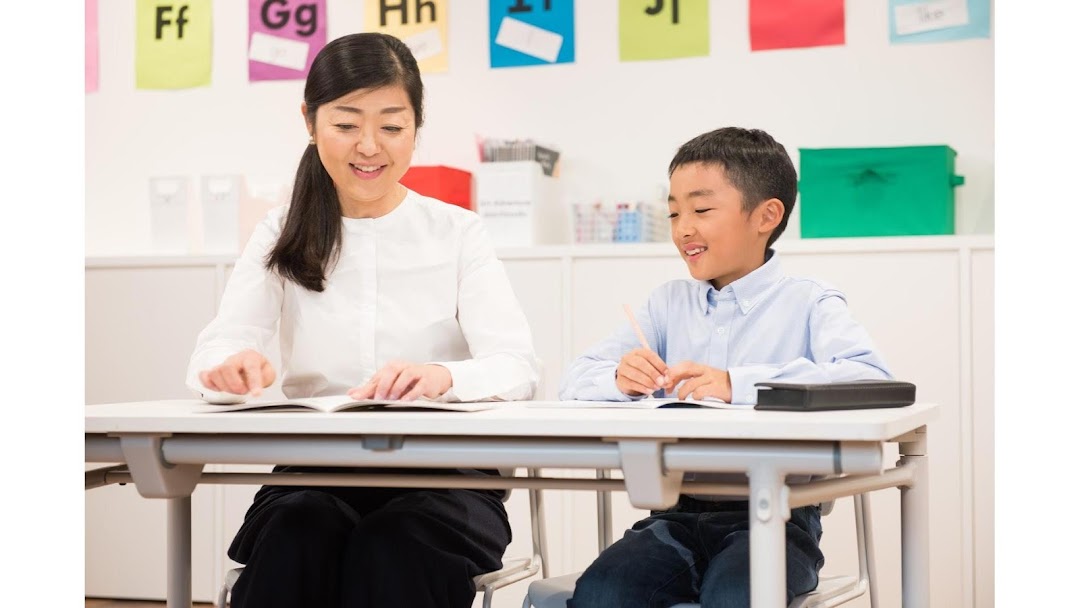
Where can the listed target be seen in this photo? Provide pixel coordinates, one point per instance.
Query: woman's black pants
(367, 547)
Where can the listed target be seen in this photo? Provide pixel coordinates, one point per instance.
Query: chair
(513, 570)
(831, 590)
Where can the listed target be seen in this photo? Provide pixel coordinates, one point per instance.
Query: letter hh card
(420, 24)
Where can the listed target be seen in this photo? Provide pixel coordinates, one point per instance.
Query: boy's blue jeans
(697, 551)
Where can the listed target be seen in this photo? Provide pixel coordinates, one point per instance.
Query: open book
(650, 403)
(343, 403)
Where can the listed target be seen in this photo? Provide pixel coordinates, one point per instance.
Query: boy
(739, 322)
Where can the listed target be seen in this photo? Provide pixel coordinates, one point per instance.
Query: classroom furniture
(513, 569)
(831, 590)
(164, 447)
(915, 296)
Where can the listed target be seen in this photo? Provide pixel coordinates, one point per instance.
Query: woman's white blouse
(420, 284)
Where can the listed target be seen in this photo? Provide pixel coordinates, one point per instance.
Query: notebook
(855, 395)
(344, 403)
(650, 403)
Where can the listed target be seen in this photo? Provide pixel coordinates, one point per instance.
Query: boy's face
(718, 241)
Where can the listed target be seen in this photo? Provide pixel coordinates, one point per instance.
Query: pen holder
(621, 223)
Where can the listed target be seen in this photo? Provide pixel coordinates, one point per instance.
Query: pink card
(91, 46)
(283, 37)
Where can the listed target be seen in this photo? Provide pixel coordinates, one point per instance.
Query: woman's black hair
(311, 238)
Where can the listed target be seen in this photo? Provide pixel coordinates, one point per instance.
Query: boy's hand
(401, 380)
(699, 381)
(641, 372)
(245, 372)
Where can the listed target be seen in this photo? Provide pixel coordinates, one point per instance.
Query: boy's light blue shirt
(762, 327)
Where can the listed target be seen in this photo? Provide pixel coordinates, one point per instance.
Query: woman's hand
(404, 381)
(699, 381)
(640, 372)
(245, 372)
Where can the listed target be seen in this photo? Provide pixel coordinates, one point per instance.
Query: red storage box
(447, 184)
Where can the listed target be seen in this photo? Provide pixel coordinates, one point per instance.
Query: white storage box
(520, 206)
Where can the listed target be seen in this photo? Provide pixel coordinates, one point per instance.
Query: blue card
(531, 32)
(916, 21)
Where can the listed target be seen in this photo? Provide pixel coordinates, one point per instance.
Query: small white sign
(930, 16)
(270, 189)
(425, 44)
(281, 52)
(220, 213)
(529, 39)
(220, 189)
(169, 214)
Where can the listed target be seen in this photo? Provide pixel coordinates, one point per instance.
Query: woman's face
(365, 140)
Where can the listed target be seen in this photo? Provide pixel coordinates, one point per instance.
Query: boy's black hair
(755, 163)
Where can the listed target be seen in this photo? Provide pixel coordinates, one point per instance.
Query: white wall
(618, 124)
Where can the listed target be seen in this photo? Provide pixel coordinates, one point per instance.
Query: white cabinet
(927, 303)
(538, 284)
(141, 324)
(982, 425)
(910, 305)
(601, 285)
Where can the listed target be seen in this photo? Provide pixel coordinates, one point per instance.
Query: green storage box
(877, 191)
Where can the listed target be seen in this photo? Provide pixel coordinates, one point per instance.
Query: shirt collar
(748, 290)
(395, 216)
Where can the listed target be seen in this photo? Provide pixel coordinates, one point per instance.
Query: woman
(378, 292)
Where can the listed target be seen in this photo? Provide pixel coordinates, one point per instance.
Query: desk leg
(769, 513)
(915, 523)
(179, 547)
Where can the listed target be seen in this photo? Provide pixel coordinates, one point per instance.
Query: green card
(663, 29)
(172, 44)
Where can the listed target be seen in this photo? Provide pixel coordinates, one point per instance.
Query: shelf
(615, 250)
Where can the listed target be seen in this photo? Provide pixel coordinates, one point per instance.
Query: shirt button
(720, 330)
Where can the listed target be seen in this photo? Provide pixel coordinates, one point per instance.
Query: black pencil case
(856, 395)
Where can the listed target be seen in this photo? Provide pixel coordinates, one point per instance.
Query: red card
(787, 24)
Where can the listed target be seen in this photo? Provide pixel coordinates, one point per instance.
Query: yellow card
(663, 29)
(172, 44)
(421, 25)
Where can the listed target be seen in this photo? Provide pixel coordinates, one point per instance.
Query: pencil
(637, 328)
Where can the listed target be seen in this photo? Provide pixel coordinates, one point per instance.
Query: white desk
(165, 445)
